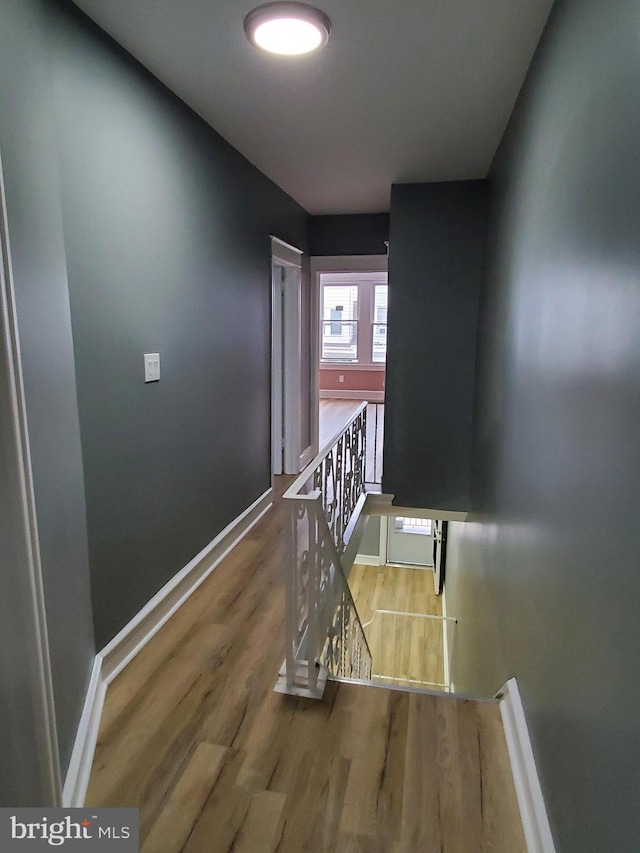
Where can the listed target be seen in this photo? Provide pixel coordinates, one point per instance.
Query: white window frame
(365, 323)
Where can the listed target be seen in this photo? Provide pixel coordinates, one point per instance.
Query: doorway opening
(350, 349)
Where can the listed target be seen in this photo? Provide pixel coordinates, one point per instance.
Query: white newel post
(324, 634)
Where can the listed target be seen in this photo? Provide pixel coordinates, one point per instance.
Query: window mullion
(365, 324)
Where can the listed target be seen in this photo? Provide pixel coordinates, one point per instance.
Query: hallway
(193, 735)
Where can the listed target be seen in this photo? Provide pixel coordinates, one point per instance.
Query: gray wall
(436, 265)
(349, 234)
(546, 580)
(371, 537)
(167, 244)
(30, 166)
(134, 223)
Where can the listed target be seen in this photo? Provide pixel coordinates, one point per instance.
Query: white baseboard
(125, 646)
(368, 560)
(340, 394)
(533, 812)
(134, 636)
(77, 778)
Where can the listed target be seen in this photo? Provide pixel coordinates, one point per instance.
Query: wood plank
(261, 830)
(179, 814)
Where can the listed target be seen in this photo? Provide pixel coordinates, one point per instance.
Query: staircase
(195, 737)
(326, 509)
(324, 525)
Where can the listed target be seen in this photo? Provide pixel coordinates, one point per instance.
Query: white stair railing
(338, 474)
(323, 631)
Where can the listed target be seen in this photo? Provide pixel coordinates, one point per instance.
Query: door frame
(391, 535)
(19, 545)
(440, 556)
(286, 356)
(320, 264)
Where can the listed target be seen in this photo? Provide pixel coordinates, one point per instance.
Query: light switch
(151, 366)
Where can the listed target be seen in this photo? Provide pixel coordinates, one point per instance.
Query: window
(379, 352)
(340, 323)
(354, 318)
(422, 526)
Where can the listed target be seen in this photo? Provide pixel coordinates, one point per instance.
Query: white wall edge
(134, 636)
(84, 747)
(22, 522)
(533, 812)
(381, 504)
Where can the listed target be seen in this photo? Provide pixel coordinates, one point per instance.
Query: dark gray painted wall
(546, 581)
(371, 537)
(436, 265)
(29, 158)
(124, 204)
(167, 245)
(349, 234)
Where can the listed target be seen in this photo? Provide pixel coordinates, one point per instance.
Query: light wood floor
(336, 413)
(194, 736)
(333, 415)
(405, 649)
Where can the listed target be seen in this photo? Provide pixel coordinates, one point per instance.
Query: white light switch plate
(151, 366)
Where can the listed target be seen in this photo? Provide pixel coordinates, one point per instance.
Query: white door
(410, 541)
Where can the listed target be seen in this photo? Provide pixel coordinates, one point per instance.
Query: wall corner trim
(533, 812)
(125, 646)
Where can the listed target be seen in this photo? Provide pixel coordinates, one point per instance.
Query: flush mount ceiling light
(289, 29)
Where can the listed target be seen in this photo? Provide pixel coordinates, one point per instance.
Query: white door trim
(292, 367)
(23, 548)
(277, 390)
(286, 350)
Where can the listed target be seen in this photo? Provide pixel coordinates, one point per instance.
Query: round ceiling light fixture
(288, 29)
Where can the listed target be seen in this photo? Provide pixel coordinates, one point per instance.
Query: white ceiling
(406, 90)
